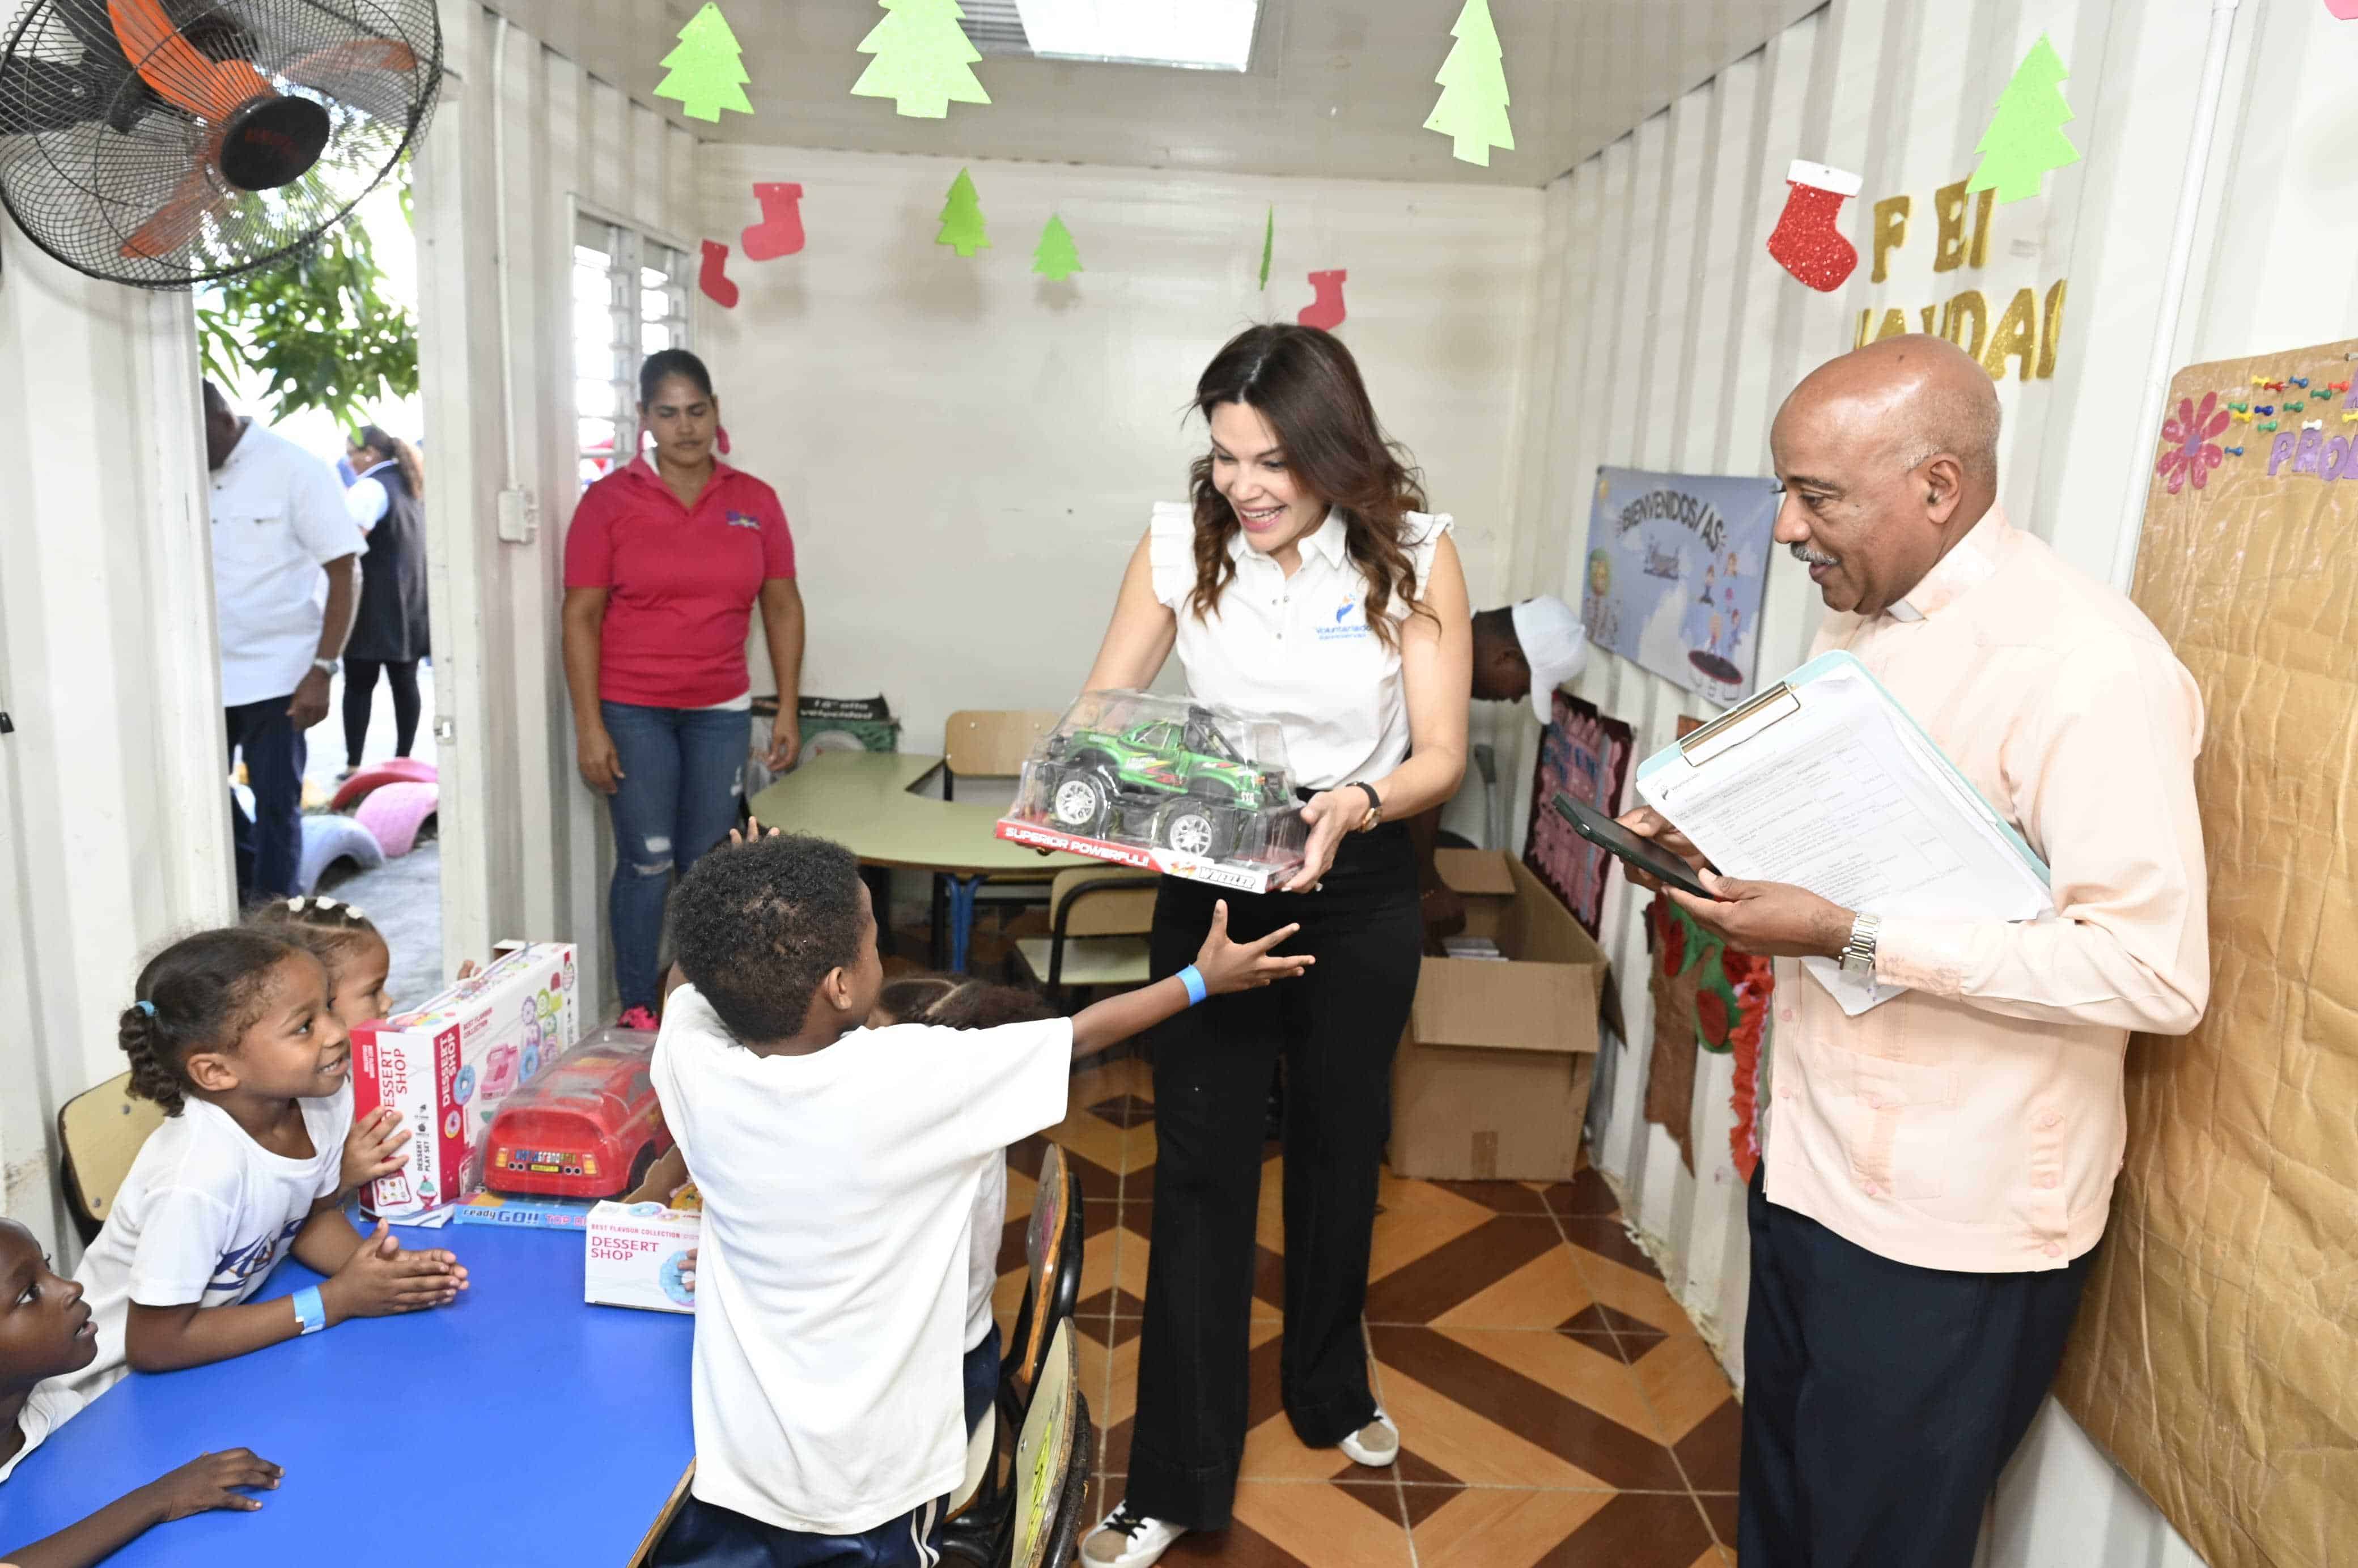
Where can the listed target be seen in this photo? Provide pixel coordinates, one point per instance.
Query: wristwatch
(1375, 816)
(1858, 953)
(327, 667)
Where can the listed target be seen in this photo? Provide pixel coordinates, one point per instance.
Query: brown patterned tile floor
(1558, 1410)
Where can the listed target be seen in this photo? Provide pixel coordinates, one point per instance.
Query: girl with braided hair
(231, 1034)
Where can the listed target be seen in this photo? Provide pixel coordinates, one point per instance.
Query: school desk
(518, 1425)
(862, 801)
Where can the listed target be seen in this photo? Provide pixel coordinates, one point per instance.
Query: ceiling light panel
(1195, 35)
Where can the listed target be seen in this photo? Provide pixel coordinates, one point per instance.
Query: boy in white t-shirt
(47, 1334)
(838, 1169)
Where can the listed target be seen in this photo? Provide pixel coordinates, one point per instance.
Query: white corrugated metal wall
(525, 851)
(1674, 336)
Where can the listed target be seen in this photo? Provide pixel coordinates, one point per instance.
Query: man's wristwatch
(1375, 816)
(1858, 953)
(327, 667)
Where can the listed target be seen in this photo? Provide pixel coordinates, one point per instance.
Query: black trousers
(1336, 1028)
(1881, 1400)
(360, 693)
(269, 846)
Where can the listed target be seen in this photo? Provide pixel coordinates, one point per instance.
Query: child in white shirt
(838, 1168)
(47, 1333)
(233, 1036)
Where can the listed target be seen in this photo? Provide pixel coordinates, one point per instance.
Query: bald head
(1889, 456)
(222, 427)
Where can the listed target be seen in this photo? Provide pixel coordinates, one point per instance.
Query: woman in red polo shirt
(663, 565)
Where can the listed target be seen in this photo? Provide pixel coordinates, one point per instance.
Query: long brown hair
(399, 452)
(1306, 383)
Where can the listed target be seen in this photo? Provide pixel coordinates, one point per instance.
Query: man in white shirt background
(286, 584)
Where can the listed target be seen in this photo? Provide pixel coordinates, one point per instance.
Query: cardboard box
(1492, 1078)
(532, 1213)
(635, 1254)
(449, 1065)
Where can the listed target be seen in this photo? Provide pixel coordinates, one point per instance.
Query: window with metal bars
(630, 300)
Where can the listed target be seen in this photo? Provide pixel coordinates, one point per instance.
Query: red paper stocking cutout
(713, 278)
(1324, 312)
(720, 439)
(780, 231)
(1806, 243)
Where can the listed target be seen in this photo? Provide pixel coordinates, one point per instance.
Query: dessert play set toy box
(1163, 783)
(449, 1067)
(637, 1254)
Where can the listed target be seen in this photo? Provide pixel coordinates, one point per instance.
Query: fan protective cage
(111, 154)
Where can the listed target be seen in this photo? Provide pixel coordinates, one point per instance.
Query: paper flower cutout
(2190, 448)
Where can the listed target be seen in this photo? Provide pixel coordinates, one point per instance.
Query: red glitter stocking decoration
(1806, 243)
(714, 277)
(1325, 311)
(780, 231)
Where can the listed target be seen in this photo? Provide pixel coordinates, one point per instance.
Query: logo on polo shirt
(1349, 625)
(742, 520)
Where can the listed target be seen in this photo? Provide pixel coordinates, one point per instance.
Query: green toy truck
(1176, 783)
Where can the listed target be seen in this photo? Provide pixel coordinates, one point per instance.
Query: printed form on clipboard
(1824, 782)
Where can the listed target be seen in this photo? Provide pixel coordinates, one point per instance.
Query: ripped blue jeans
(683, 769)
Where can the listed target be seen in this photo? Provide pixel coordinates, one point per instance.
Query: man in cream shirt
(286, 584)
(1937, 1171)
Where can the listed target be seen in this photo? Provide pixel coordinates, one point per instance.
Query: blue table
(518, 1425)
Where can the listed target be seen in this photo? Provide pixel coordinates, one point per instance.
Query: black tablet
(1613, 838)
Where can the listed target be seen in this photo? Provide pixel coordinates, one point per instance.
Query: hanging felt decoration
(1056, 257)
(962, 228)
(1325, 310)
(923, 61)
(1268, 245)
(780, 231)
(1471, 108)
(707, 71)
(713, 278)
(2025, 138)
(1805, 241)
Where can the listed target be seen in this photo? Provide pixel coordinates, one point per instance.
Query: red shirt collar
(644, 470)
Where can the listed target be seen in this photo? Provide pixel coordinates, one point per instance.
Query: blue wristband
(310, 1312)
(1193, 978)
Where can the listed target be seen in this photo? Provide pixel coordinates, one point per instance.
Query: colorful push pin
(2312, 424)
(2266, 425)
(2259, 381)
(2295, 407)
(2298, 381)
(2233, 452)
(2275, 386)
(2239, 417)
(2240, 406)
(2264, 409)
(2350, 417)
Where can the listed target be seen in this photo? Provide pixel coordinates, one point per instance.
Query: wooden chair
(1053, 1248)
(100, 1131)
(1052, 1465)
(1100, 917)
(979, 742)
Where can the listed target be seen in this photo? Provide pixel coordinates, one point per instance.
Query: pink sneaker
(639, 1018)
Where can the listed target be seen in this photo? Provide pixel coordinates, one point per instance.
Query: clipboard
(1824, 781)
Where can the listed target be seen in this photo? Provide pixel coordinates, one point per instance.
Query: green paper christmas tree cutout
(1268, 246)
(923, 60)
(962, 219)
(707, 69)
(1473, 104)
(2025, 138)
(1055, 257)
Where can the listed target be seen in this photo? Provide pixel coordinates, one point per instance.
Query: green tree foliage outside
(317, 328)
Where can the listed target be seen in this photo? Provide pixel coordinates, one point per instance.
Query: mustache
(1809, 557)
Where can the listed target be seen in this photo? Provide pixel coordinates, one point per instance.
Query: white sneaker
(1376, 1444)
(1129, 1541)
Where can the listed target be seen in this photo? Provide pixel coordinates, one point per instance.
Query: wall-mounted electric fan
(165, 143)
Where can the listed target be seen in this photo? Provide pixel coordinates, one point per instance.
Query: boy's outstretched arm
(1224, 966)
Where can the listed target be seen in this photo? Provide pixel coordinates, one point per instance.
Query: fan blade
(176, 221)
(210, 89)
(359, 54)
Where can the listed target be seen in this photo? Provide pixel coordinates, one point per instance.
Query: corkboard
(2216, 1355)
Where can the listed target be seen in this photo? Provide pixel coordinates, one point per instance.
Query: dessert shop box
(637, 1256)
(449, 1066)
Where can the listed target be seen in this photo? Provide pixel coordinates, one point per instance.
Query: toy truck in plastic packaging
(586, 1126)
(1163, 783)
